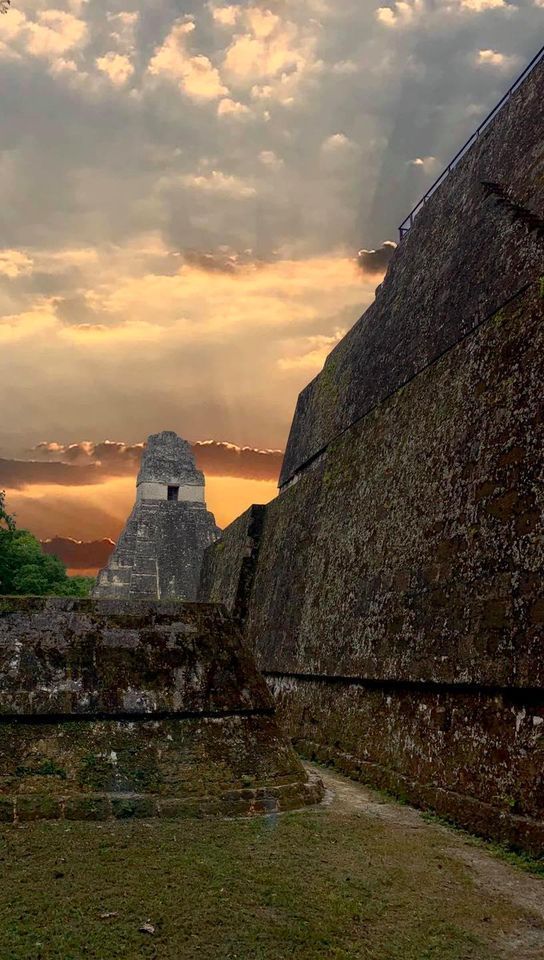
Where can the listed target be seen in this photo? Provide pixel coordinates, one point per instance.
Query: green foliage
(5, 517)
(26, 570)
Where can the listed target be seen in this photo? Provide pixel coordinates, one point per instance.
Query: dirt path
(494, 878)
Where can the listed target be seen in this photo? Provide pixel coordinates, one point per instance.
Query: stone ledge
(245, 802)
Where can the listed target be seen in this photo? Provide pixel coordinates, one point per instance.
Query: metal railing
(408, 222)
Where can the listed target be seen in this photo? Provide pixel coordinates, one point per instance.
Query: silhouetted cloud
(79, 464)
(220, 261)
(222, 459)
(79, 554)
(376, 261)
(16, 474)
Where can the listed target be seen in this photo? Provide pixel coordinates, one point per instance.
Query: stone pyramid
(159, 553)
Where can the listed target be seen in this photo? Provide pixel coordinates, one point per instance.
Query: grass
(516, 858)
(316, 885)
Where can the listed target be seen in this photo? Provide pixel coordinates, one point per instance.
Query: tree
(5, 517)
(26, 569)
(4, 6)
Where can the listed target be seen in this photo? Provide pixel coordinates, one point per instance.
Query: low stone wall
(397, 604)
(134, 708)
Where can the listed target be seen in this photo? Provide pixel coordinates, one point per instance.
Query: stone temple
(159, 553)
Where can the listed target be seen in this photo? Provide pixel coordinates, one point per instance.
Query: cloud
(220, 183)
(49, 36)
(124, 28)
(495, 59)
(223, 260)
(16, 474)
(407, 13)
(225, 16)
(336, 142)
(218, 458)
(427, 164)
(75, 309)
(194, 74)
(272, 55)
(87, 463)
(116, 66)
(314, 351)
(345, 67)
(54, 33)
(401, 14)
(271, 160)
(79, 555)
(376, 261)
(232, 108)
(479, 6)
(14, 263)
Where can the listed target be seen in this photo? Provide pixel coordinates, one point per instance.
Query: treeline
(26, 570)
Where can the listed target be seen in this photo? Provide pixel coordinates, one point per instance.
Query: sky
(198, 199)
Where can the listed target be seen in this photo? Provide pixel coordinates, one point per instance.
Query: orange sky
(99, 510)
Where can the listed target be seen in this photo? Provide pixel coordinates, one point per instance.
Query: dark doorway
(173, 493)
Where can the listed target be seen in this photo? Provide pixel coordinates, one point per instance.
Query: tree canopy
(26, 569)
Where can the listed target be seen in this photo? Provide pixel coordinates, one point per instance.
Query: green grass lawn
(331, 883)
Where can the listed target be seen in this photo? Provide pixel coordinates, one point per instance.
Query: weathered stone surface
(133, 709)
(464, 257)
(168, 460)
(412, 555)
(159, 552)
(415, 550)
(474, 756)
(227, 573)
(73, 656)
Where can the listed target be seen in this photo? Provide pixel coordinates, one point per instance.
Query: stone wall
(473, 755)
(470, 249)
(128, 708)
(397, 604)
(227, 573)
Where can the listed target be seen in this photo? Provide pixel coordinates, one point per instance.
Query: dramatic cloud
(79, 555)
(183, 194)
(271, 54)
(81, 464)
(15, 474)
(376, 261)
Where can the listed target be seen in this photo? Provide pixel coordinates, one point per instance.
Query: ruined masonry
(159, 552)
(393, 591)
(136, 708)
